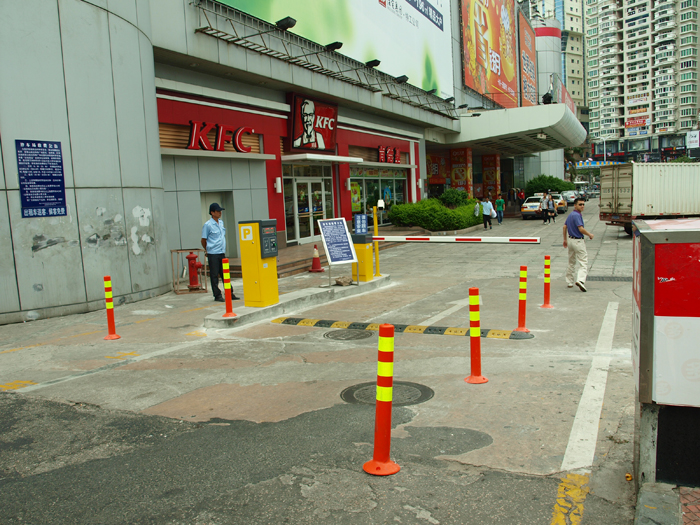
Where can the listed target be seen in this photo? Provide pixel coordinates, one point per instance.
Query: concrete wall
(81, 73)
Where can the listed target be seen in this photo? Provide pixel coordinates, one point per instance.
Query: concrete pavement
(177, 423)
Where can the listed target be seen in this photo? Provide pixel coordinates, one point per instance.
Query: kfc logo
(224, 133)
(313, 125)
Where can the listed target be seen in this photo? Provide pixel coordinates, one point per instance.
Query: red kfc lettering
(222, 136)
(238, 139)
(198, 135)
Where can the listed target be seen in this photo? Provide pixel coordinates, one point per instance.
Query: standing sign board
(42, 185)
(337, 242)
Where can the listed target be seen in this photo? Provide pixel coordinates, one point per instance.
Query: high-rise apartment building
(570, 16)
(641, 76)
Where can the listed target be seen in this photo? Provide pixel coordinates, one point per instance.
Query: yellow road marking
(87, 333)
(572, 492)
(144, 320)
(16, 385)
(200, 308)
(373, 326)
(197, 333)
(340, 324)
(499, 334)
(279, 320)
(122, 355)
(308, 322)
(21, 348)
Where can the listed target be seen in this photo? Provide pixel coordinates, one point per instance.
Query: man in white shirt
(214, 242)
(486, 208)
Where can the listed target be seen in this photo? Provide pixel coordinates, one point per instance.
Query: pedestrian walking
(500, 206)
(521, 197)
(551, 209)
(214, 244)
(486, 209)
(544, 207)
(574, 233)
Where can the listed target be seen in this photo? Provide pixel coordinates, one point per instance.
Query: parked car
(531, 208)
(569, 196)
(560, 202)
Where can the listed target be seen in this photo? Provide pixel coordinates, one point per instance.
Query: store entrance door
(310, 199)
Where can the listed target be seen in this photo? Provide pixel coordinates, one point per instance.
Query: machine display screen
(270, 230)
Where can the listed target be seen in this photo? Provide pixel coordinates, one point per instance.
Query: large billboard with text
(489, 49)
(409, 37)
(528, 62)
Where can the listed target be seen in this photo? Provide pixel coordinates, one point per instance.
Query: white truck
(649, 190)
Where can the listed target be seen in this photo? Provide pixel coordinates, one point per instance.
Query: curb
(291, 302)
(658, 503)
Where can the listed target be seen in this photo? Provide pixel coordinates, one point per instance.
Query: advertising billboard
(491, 166)
(488, 43)
(313, 124)
(409, 37)
(528, 62)
(461, 169)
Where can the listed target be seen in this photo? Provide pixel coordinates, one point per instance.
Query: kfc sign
(389, 155)
(313, 124)
(224, 133)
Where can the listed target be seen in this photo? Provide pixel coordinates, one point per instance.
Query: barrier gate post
(109, 305)
(227, 289)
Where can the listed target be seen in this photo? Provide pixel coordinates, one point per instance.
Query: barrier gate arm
(441, 238)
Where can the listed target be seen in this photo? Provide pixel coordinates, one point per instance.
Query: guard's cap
(214, 206)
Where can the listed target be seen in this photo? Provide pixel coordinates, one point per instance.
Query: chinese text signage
(528, 62)
(42, 184)
(337, 241)
(488, 39)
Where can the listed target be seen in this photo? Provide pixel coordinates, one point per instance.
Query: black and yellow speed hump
(403, 328)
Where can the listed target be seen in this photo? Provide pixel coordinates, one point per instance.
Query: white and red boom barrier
(444, 238)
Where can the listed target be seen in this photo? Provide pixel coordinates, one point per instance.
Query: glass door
(310, 207)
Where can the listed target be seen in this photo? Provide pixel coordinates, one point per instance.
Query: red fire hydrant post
(381, 464)
(193, 267)
(109, 305)
(523, 300)
(547, 268)
(227, 289)
(475, 338)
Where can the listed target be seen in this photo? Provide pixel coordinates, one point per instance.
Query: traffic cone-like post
(227, 289)
(475, 338)
(316, 262)
(109, 305)
(381, 464)
(547, 267)
(522, 300)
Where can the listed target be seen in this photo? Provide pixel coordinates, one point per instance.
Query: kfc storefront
(296, 166)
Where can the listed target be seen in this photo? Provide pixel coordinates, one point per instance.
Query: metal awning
(317, 157)
(519, 131)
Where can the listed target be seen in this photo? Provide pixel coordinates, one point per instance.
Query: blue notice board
(360, 223)
(337, 241)
(42, 185)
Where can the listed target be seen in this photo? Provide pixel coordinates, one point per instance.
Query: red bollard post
(109, 305)
(227, 290)
(523, 300)
(475, 338)
(547, 267)
(381, 464)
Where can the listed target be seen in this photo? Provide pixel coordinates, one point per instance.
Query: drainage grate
(404, 393)
(348, 335)
(608, 278)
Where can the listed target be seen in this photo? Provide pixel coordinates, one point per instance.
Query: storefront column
(345, 197)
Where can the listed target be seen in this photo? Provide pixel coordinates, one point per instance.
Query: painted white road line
(458, 305)
(584, 433)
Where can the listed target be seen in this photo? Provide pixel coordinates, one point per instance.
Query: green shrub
(543, 183)
(432, 215)
(453, 198)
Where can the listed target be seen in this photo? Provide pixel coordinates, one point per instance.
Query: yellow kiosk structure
(259, 262)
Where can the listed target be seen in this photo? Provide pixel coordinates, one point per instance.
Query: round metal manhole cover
(348, 335)
(404, 393)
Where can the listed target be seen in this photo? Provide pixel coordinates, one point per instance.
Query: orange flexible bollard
(381, 464)
(475, 338)
(523, 300)
(227, 289)
(109, 305)
(547, 267)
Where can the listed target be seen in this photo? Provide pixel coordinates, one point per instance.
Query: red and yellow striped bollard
(227, 289)
(523, 300)
(547, 268)
(109, 305)
(381, 464)
(475, 338)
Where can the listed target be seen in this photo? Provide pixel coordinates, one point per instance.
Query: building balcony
(663, 4)
(663, 107)
(664, 83)
(609, 83)
(613, 104)
(609, 16)
(662, 128)
(668, 12)
(665, 60)
(612, 114)
(613, 72)
(609, 40)
(662, 37)
(666, 71)
(664, 25)
(612, 50)
(609, 62)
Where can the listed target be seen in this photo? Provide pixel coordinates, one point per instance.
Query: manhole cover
(348, 335)
(404, 393)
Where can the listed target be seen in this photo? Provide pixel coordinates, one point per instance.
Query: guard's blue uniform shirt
(215, 234)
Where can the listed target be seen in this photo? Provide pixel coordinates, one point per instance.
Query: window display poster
(438, 169)
(528, 62)
(461, 169)
(42, 184)
(488, 40)
(356, 196)
(491, 165)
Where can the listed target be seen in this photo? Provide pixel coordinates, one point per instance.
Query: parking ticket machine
(259, 262)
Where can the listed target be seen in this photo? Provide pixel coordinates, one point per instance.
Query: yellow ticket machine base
(259, 262)
(364, 251)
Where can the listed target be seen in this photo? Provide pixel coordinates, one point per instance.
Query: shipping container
(648, 190)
